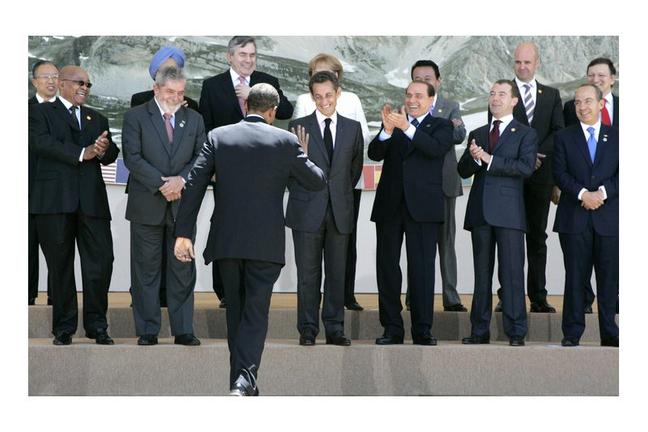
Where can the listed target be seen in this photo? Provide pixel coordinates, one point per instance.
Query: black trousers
(309, 247)
(421, 244)
(510, 258)
(581, 253)
(32, 250)
(217, 282)
(352, 252)
(58, 235)
(248, 288)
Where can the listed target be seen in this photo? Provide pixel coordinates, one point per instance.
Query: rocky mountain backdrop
(376, 68)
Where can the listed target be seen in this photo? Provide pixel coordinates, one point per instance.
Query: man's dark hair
(514, 88)
(426, 63)
(602, 60)
(240, 41)
(322, 77)
(39, 64)
(262, 97)
(597, 91)
(430, 88)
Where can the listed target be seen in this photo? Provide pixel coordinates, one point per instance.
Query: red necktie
(493, 136)
(605, 114)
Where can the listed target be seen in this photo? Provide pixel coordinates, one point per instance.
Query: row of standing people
(323, 221)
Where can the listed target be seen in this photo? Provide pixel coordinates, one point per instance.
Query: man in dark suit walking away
(500, 156)
(322, 221)
(586, 168)
(161, 141)
(252, 162)
(71, 205)
(222, 101)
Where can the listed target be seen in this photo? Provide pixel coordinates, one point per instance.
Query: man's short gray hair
(170, 73)
(262, 97)
(240, 41)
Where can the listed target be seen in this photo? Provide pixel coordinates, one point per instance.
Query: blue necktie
(415, 122)
(591, 143)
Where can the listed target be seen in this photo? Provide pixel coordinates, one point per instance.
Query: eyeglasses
(48, 77)
(80, 83)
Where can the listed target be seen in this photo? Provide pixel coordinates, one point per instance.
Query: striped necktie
(529, 105)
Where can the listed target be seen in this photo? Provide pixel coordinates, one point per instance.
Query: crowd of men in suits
(521, 161)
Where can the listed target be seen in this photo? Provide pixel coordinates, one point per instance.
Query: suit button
(593, 178)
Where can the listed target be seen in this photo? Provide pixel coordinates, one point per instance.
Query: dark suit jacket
(496, 195)
(547, 119)
(569, 112)
(253, 163)
(412, 171)
(31, 158)
(449, 109)
(149, 156)
(574, 170)
(306, 210)
(145, 96)
(219, 105)
(62, 184)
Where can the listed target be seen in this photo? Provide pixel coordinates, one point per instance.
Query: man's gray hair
(262, 97)
(597, 91)
(240, 41)
(170, 73)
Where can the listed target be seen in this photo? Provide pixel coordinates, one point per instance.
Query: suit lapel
(509, 132)
(178, 131)
(316, 137)
(158, 124)
(227, 86)
(64, 113)
(581, 143)
(602, 144)
(340, 130)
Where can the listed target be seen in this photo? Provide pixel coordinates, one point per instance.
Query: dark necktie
(73, 109)
(169, 128)
(328, 139)
(493, 137)
(415, 122)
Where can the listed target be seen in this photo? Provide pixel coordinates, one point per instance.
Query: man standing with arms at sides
(540, 107)
(161, 141)
(223, 96)
(322, 221)
(70, 202)
(252, 163)
(45, 80)
(428, 71)
(500, 155)
(602, 73)
(409, 200)
(586, 168)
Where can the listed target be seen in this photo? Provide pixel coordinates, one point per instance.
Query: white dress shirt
(320, 121)
(502, 127)
(597, 130)
(77, 113)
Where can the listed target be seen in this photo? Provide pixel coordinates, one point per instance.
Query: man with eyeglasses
(71, 205)
(45, 81)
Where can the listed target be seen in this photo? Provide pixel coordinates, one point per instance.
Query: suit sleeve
(467, 166)
(285, 109)
(565, 181)
(359, 116)
(358, 157)
(557, 123)
(205, 106)
(43, 142)
(192, 197)
(459, 132)
(437, 142)
(112, 152)
(198, 144)
(138, 167)
(378, 149)
(521, 166)
(305, 172)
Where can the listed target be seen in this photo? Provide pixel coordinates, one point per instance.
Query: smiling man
(322, 221)
(409, 200)
(71, 206)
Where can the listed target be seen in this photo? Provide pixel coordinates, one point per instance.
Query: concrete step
(364, 368)
(209, 322)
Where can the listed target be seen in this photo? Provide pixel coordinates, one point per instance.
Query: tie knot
(167, 116)
(590, 130)
(327, 121)
(527, 87)
(496, 123)
(242, 80)
(73, 109)
(415, 122)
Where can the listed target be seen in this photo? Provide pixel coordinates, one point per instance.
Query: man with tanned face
(586, 168)
(409, 201)
(71, 206)
(45, 81)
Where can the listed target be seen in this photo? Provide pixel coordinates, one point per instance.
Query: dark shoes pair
(476, 340)
(101, 337)
(185, 339)
(338, 338)
(62, 339)
(426, 339)
(455, 308)
(353, 305)
(245, 384)
(536, 307)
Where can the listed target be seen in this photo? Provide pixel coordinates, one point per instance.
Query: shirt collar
(321, 117)
(420, 119)
(235, 77)
(609, 99)
(505, 122)
(162, 112)
(521, 83)
(596, 126)
(66, 102)
(41, 99)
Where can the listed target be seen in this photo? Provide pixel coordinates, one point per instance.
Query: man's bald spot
(71, 71)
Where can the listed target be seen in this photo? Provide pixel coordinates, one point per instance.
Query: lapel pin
(513, 129)
(440, 110)
(428, 125)
(605, 138)
(540, 91)
(182, 123)
(88, 118)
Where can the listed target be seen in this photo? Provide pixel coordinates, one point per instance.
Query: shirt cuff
(81, 155)
(478, 162)
(489, 163)
(384, 136)
(580, 194)
(602, 189)
(410, 131)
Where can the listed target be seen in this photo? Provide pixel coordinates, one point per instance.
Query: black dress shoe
(610, 342)
(306, 340)
(498, 307)
(569, 342)
(354, 306)
(146, 340)
(31, 302)
(428, 340)
(187, 339)
(516, 341)
(476, 340)
(101, 337)
(542, 307)
(389, 340)
(245, 384)
(223, 304)
(62, 339)
(455, 308)
(588, 309)
(163, 304)
(49, 301)
(338, 339)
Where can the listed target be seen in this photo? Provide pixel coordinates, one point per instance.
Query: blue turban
(162, 55)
